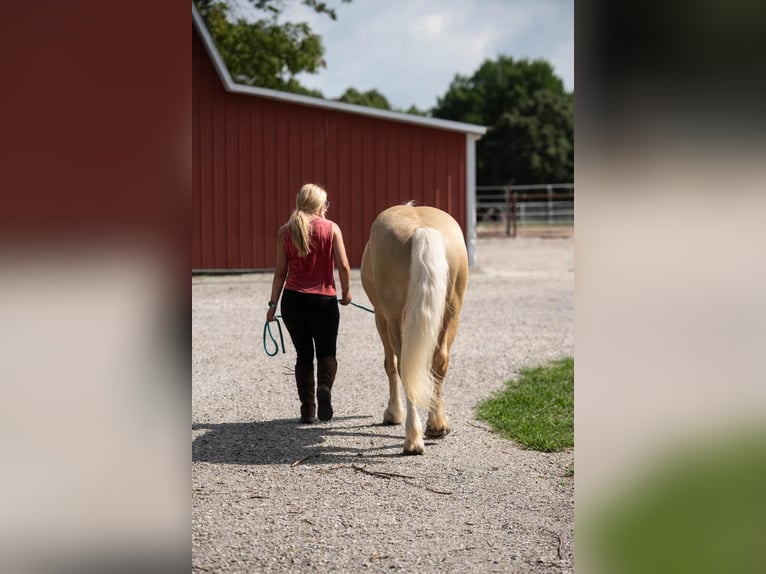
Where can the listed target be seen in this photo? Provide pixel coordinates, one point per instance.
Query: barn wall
(251, 155)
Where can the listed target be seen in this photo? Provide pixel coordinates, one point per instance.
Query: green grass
(697, 508)
(537, 409)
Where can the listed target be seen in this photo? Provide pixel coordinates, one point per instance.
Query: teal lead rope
(267, 332)
(361, 307)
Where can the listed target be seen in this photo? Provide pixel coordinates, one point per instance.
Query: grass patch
(698, 508)
(537, 409)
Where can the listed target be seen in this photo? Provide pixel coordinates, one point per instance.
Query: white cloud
(432, 26)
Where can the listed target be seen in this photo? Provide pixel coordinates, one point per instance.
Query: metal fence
(510, 207)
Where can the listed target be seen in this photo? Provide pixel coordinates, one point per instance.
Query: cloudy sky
(410, 50)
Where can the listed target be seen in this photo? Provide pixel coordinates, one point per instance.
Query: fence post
(507, 210)
(550, 205)
(513, 212)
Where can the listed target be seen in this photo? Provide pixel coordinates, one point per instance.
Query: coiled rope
(267, 331)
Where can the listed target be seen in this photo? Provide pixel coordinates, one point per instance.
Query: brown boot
(326, 368)
(304, 378)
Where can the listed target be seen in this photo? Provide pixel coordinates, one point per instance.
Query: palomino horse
(415, 272)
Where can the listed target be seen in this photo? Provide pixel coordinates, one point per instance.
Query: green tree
(370, 98)
(415, 111)
(374, 99)
(267, 53)
(530, 118)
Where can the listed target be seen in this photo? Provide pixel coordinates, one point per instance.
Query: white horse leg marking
(413, 440)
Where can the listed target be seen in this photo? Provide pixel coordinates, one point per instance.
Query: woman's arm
(341, 263)
(280, 274)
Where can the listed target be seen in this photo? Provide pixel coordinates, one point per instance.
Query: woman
(307, 246)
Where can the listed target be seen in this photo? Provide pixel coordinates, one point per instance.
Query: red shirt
(313, 273)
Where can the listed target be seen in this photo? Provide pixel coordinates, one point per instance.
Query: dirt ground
(269, 495)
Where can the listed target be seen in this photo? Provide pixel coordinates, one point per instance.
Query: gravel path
(270, 495)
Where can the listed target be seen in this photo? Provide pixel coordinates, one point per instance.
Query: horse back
(386, 258)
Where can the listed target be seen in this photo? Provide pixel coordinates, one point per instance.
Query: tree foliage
(374, 99)
(371, 98)
(530, 118)
(415, 111)
(267, 52)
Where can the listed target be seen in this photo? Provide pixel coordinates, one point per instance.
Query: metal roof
(231, 86)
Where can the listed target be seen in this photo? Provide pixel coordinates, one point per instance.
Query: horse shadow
(285, 441)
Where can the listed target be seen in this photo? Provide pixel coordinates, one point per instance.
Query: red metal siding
(251, 155)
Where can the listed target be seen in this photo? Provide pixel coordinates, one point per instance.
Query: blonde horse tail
(423, 313)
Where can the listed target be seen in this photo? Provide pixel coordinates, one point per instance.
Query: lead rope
(267, 331)
(361, 307)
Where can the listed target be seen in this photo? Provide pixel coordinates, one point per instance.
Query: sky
(410, 50)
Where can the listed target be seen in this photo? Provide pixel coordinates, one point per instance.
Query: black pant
(312, 321)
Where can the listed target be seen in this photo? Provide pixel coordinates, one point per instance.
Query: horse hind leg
(392, 343)
(394, 413)
(437, 425)
(413, 439)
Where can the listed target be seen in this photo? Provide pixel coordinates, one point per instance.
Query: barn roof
(231, 86)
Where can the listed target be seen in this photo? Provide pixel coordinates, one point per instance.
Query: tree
(415, 111)
(374, 99)
(531, 143)
(266, 53)
(371, 98)
(530, 118)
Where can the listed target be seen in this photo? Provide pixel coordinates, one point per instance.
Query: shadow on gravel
(284, 441)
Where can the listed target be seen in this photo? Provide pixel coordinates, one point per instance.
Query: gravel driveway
(270, 495)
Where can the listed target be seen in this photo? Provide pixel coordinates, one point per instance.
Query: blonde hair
(310, 200)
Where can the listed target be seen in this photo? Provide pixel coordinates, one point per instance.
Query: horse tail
(423, 313)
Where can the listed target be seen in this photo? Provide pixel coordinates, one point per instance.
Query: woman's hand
(270, 314)
(346, 299)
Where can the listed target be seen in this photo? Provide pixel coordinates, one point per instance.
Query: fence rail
(511, 207)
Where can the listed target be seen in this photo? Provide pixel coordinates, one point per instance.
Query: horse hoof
(391, 419)
(437, 433)
(416, 447)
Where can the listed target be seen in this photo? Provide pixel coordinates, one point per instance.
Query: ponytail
(311, 198)
(300, 232)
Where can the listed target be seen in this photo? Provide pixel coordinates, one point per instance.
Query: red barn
(253, 148)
